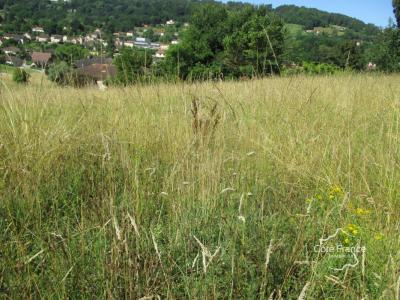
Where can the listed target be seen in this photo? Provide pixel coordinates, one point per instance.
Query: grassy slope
(103, 194)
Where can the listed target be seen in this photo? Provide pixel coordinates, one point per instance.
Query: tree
(149, 33)
(386, 51)
(256, 43)
(60, 73)
(352, 55)
(132, 64)
(20, 76)
(70, 53)
(396, 9)
(222, 42)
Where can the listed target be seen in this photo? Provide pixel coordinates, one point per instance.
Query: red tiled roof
(98, 71)
(41, 57)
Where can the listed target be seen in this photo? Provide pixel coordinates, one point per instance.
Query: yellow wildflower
(378, 236)
(336, 190)
(362, 212)
(353, 229)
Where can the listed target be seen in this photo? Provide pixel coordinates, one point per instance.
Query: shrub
(20, 76)
(63, 74)
(58, 73)
(319, 69)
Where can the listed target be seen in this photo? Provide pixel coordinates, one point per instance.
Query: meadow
(278, 188)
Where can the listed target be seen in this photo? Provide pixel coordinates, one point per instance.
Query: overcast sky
(371, 11)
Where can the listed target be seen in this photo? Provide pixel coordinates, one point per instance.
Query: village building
(160, 54)
(77, 40)
(98, 72)
(56, 39)
(15, 37)
(41, 59)
(130, 44)
(142, 42)
(14, 61)
(28, 36)
(37, 29)
(12, 50)
(42, 38)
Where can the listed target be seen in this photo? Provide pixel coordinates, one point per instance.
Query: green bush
(63, 74)
(319, 69)
(20, 76)
(310, 69)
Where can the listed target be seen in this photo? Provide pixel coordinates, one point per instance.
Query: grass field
(285, 188)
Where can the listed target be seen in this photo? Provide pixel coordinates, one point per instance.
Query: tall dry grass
(201, 191)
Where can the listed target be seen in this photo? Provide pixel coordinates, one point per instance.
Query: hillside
(84, 15)
(311, 18)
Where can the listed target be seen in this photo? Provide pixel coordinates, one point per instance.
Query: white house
(77, 41)
(142, 40)
(130, 44)
(56, 39)
(170, 22)
(11, 50)
(160, 54)
(38, 29)
(42, 38)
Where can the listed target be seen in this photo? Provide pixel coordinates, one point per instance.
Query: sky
(377, 12)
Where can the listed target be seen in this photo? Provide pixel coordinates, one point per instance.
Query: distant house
(160, 54)
(77, 41)
(56, 39)
(41, 59)
(15, 37)
(142, 40)
(89, 38)
(155, 46)
(37, 29)
(129, 34)
(130, 44)
(170, 22)
(11, 50)
(175, 42)
(14, 61)
(98, 72)
(66, 39)
(42, 38)
(339, 28)
(27, 35)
